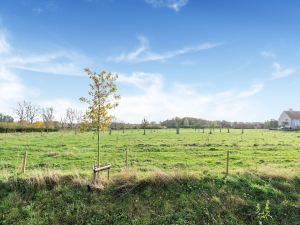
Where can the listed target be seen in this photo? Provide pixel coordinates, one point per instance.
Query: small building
(289, 119)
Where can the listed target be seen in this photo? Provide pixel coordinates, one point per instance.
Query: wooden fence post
(24, 162)
(94, 173)
(126, 158)
(227, 164)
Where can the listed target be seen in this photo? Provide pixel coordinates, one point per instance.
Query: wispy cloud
(38, 10)
(61, 62)
(12, 87)
(281, 71)
(143, 54)
(175, 5)
(44, 6)
(4, 46)
(141, 80)
(268, 54)
(156, 102)
(253, 90)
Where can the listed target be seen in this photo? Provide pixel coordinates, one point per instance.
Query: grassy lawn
(174, 179)
(189, 151)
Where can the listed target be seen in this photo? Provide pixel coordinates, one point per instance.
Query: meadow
(172, 179)
(158, 150)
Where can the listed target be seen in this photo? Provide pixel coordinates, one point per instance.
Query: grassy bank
(151, 199)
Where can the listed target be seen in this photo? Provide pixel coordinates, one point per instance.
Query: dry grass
(274, 172)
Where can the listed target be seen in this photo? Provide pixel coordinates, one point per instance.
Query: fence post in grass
(24, 162)
(227, 164)
(126, 158)
(94, 173)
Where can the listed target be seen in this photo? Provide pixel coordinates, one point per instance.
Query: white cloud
(256, 88)
(141, 80)
(13, 89)
(175, 5)
(143, 54)
(60, 62)
(268, 54)
(281, 71)
(156, 102)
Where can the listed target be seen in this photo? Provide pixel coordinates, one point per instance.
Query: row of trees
(29, 113)
(32, 117)
(6, 118)
(190, 122)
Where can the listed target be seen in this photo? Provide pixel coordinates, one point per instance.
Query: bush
(19, 128)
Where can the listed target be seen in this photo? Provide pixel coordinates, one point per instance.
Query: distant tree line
(142, 125)
(32, 117)
(190, 122)
(6, 118)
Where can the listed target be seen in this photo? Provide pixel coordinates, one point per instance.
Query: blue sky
(217, 59)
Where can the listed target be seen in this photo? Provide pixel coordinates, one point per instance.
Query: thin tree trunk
(98, 155)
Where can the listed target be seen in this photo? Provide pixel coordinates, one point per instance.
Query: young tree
(103, 99)
(144, 125)
(177, 119)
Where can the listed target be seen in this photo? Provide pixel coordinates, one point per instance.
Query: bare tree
(20, 111)
(71, 116)
(32, 111)
(63, 122)
(78, 119)
(27, 111)
(48, 116)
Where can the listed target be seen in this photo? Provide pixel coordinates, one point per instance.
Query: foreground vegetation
(154, 199)
(262, 188)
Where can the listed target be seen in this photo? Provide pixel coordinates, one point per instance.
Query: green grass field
(173, 179)
(189, 151)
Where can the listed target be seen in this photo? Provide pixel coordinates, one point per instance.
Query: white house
(290, 119)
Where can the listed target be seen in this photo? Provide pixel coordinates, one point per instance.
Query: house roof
(293, 114)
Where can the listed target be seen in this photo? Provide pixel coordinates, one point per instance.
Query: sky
(236, 60)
